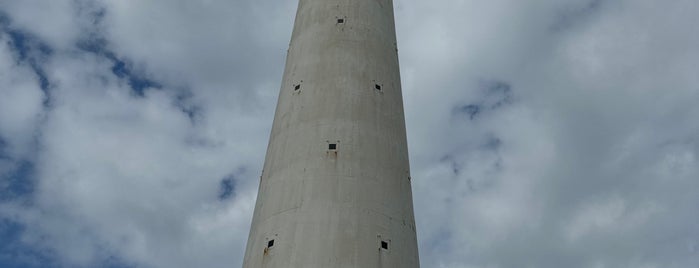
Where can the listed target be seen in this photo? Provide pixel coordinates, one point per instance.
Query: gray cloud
(580, 178)
(542, 134)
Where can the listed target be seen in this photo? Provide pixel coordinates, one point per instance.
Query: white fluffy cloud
(542, 134)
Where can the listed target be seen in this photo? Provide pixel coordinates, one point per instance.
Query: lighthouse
(335, 190)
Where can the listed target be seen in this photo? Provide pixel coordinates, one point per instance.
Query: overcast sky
(542, 133)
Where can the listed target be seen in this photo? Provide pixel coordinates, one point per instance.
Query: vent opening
(384, 244)
(297, 87)
(377, 86)
(332, 146)
(270, 243)
(340, 21)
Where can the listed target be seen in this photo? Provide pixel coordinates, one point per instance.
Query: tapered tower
(335, 190)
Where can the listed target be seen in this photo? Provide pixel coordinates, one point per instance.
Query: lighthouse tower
(335, 191)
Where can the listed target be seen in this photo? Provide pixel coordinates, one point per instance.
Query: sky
(542, 133)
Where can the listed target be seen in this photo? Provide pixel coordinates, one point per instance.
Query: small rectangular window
(332, 146)
(340, 21)
(297, 87)
(384, 245)
(270, 243)
(377, 86)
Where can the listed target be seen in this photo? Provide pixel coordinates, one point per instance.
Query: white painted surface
(332, 208)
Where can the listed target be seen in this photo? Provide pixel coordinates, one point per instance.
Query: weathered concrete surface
(334, 208)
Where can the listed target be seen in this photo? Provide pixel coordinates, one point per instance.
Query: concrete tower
(335, 190)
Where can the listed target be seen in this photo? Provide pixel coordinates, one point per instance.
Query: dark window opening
(340, 20)
(384, 245)
(332, 146)
(297, 87)
(377, 86)
(270, 243)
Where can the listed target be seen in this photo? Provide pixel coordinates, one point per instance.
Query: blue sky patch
(3, 146)
(31, 50)
(495, 95)
(19, 182)
(472, 110)
(570, 17)
(121, 68)
(226, 188)
(498, 93)
(184, 103)
(16, 254)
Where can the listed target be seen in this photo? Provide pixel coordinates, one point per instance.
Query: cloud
(542, 134)
(565, 187)
(129, 169)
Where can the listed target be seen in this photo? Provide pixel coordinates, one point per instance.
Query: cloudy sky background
(542, 133)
